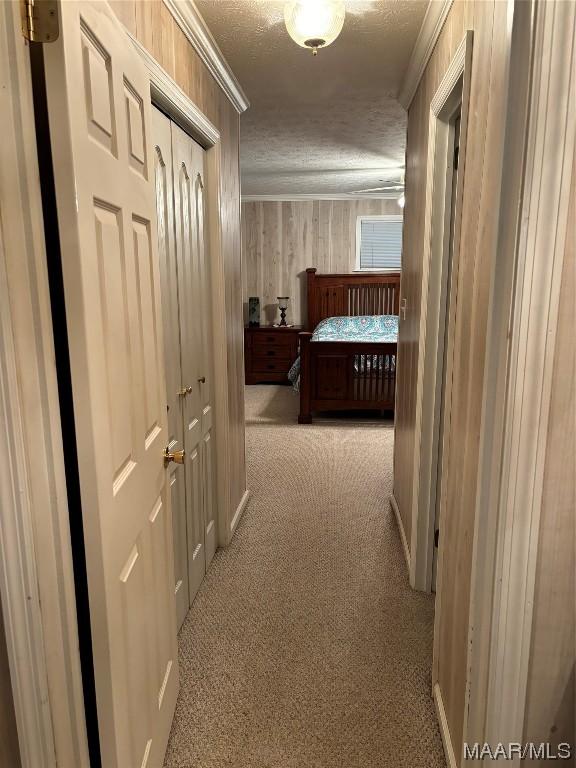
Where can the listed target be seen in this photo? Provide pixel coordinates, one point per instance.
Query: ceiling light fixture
(314, 23)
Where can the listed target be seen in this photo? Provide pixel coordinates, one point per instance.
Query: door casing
(521, 343)
(36, 579)
(452, 93)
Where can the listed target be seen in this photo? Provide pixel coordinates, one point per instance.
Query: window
(379, 243)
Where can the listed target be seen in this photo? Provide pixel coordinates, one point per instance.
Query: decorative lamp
(314, 23)
(283, 302)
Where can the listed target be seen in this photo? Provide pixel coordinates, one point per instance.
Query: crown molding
(341, 196)
(434, 19)
(188, 18)
(168, 95)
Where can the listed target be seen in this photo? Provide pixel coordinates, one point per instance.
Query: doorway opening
(446, 160)
(454, 149)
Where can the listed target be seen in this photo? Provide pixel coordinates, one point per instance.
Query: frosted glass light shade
(314, 23)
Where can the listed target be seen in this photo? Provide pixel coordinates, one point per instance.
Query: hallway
(305, 647)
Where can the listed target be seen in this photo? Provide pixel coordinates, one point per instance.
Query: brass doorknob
(202, 380)
(176, 456)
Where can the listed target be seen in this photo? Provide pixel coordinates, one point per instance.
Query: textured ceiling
(326, 124)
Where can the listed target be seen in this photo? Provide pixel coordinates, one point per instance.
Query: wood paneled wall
(281, 239)
(152, 24)
(488, 20)
(550, 714)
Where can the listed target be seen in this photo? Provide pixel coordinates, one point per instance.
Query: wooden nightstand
(269, 353)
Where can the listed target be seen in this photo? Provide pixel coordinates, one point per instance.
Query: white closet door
(175, 391)
(100, 124)
(185, 172)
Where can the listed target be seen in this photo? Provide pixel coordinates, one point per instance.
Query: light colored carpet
(305, 647)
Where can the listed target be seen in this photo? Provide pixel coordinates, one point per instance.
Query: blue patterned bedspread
(362, 328)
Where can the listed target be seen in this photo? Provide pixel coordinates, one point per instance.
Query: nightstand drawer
(274, 352)
(266, 339)
(263, 364)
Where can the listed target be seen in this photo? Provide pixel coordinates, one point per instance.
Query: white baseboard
(394, 505)
(444, 730)
(239, 512)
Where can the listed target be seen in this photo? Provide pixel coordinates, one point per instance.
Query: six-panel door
(100, 125)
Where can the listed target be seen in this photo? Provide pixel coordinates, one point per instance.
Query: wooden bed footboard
(347, 375)
(341, 375)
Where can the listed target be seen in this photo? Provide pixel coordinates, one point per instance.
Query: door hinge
(40, 20)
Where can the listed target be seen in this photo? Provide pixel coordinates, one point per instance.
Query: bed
(350, 363)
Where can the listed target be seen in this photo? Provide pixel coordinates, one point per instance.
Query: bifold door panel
(184, 263)
(98, 94)
(162, 138)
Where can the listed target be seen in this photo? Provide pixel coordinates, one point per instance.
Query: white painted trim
(18, 577)
(341, 196)
(452, 75)
(432, 25)
(219, 340)
(377, 216)
(498, 335)
(536, 291)
(444, 729)
(170, 98)
(432, 307)
(37, 580)
(239, 512)
(377, 271)
(396, 510)
(374, 217)
(190, 21)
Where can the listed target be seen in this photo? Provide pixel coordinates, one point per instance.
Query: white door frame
(37, 579)
(453, 90)
(518, 374)
(166, 94)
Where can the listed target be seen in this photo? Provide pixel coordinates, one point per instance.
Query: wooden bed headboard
(369, 293)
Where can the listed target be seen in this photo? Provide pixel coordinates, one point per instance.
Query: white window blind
(380, 243)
